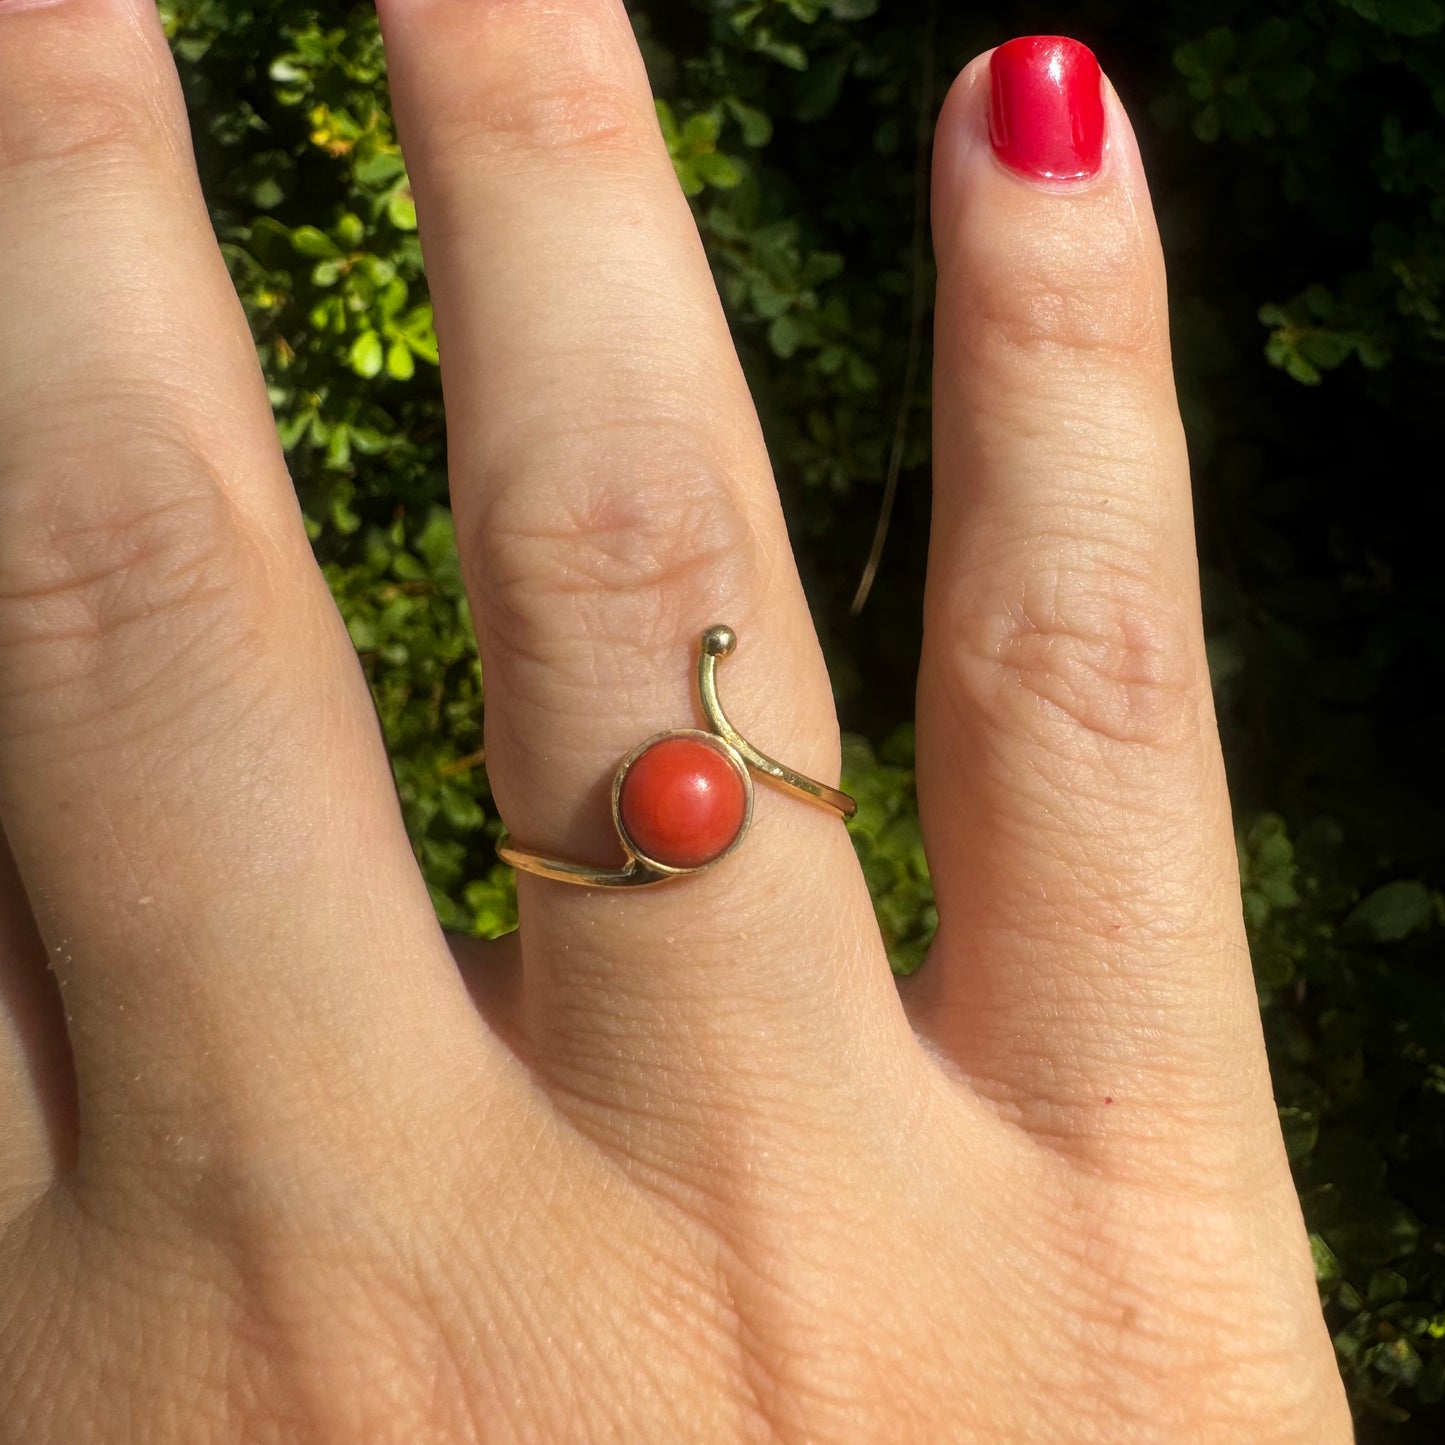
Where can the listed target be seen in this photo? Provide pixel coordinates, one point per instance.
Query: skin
(684, 1164)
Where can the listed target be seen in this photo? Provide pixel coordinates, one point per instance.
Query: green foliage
(312, 204)
(694, 152)
(1315, 333)
(1299, 175)
(1291, 89)
(889, 844)
(1357, 1039)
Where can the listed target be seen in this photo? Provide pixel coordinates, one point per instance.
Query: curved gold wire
(719, 642)
(640, 872)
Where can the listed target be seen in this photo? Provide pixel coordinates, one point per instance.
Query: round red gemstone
(682, 802)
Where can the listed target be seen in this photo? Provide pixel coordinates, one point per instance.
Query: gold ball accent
(719, 641)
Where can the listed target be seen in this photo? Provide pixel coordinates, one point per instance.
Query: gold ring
(682, 800)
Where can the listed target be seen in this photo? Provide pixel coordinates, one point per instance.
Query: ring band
(683, 800)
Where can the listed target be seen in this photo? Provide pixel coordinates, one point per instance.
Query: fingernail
(1046, 110)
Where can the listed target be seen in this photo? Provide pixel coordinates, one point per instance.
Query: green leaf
(378, 168)
(436, 543)
(1208, 124)
(1226, 657)
(861, 374)
(1301, 1130)
(1397, 1360)
(1402, 17)
(401, 208)
(819, 90)
(1396, 911)
(1385, 1287)
(1327, 1267)
(785, 52)
(820, 267)
(267, 193)
(399, 363)
(350, 231)
(285, 72)
(702, 129)
(755, 125)
(338, 456)
(687, 177)
(667, 122)
(291, 428)
(422, 340)
(362, 631)
(785, 335)
(309, 241)
(371, 441)
(1381, 1231)
(1325, 349)
(1290, 83)
(717, 169)
(366, 355)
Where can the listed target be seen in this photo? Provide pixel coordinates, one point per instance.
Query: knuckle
(1098, 646)
(623, 556)
(71, 113)
(96, 131)
(1088, 291)
(556, 80)
(114, 570)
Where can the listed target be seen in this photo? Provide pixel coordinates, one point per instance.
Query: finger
(1090, 967)
(37, 1086)
(614, 499)
(190, 772)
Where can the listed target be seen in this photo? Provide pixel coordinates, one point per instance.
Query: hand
(674, 1164)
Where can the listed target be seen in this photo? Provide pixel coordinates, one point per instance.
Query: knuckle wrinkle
(110, 581)
(83, 114)
(1047, 293)
(1099, 648)
(556, 80)
(631, 557)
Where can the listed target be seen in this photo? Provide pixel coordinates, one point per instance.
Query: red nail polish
(1046, 112)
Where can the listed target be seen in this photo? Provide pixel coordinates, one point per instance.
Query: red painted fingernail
(1046, 113)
